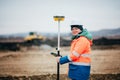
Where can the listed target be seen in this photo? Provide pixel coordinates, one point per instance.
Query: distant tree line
(105, 41)
(53, 42)
(100, 41)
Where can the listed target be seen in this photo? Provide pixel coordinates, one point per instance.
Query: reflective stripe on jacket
(80, 51)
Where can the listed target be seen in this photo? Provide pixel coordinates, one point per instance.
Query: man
(79, 58)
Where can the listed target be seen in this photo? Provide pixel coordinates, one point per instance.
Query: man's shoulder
(82, 38)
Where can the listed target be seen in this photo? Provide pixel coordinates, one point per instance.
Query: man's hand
(58, 59)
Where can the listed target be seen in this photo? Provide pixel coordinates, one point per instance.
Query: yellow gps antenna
(58, 18)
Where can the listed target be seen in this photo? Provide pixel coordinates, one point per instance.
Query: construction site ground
(38, 64)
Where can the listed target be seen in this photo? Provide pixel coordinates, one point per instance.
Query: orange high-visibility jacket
(79, 57)
(80, 51)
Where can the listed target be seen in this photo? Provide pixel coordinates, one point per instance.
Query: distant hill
(113, 33)
(15, 35)
(109, 33)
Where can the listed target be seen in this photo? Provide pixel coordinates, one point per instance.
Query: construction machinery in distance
(15, 43)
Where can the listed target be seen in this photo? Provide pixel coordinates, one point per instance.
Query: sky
(17, 16)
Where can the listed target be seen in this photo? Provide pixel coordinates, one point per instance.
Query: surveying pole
(58, 18)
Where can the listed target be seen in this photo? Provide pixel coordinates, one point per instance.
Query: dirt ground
(41, 62)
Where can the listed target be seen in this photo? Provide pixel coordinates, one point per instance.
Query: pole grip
(55, 54)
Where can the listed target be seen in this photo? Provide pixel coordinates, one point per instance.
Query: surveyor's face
(75, 30)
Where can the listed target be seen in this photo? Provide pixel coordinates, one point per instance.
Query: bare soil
(41, 65)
